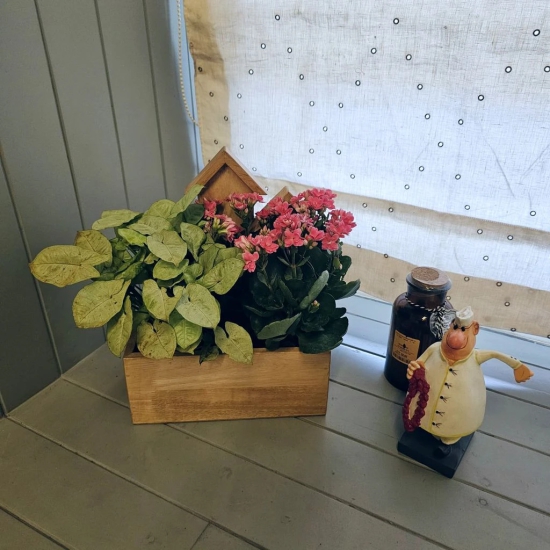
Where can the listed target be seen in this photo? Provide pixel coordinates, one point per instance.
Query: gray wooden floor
(75, 473)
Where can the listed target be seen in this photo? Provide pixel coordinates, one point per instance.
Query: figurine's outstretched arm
(521, 372)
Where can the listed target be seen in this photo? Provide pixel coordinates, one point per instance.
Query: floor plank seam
(246, 459)
(356, 440)
(135, 483)
(481, 488)
(361, 390)
(543, 453)
(547, 407)
(365, 444)
(200, 536)
(524, 340)
(310, 487)
(370, 352)
(37, 529)
(498, 495)
(388, 400)
(483, 328)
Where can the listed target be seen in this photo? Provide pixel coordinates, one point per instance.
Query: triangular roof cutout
(224, 175)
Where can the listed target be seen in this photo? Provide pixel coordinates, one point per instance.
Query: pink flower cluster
(211, 207)
(339, 225)
(253, 245)
(221, 225)
(243, 202)
(313, 199)
(306, 220)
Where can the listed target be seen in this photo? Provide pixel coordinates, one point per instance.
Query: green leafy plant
(159, 278)
(292, 251)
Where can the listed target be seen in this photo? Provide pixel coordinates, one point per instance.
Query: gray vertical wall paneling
(36, 162)
(129, 68)
(179, 138)
(27, 359)
(72, 38)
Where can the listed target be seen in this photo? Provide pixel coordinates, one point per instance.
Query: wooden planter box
(279, 383)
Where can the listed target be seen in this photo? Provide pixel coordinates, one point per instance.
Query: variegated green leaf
(192, 273)
(208, 258)
(226, 253)
(223, 276)
(190, 195)
(119, 329)
(150, 259)
(199, 306)
(98, 302)
(156, 341)
(190, 349)
(168, 246)
(114, 218)
(236, 343)
(133, 270)
(165, 271)
(132, 237)
(187, 333)
(96, 242)
(162, 208)
(194, 236)
(157, 301)
(148, 225)
(63, 265)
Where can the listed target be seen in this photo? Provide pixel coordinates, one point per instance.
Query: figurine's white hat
(465, 317)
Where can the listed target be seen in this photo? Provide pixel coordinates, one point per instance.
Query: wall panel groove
(127, 59)
(59, 112)
(96, 7)
(90, 119)
(146, 19)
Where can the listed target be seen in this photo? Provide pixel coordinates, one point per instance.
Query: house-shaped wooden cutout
(224, 175)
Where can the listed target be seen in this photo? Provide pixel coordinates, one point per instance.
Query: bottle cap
(429, 279)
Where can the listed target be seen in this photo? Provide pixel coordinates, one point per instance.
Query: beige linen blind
(430, 119)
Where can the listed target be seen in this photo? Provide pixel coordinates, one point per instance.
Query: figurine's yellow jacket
(456, 403)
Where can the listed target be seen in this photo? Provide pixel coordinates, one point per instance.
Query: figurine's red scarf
(419, 385)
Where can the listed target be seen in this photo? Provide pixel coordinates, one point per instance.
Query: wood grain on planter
(278, 383)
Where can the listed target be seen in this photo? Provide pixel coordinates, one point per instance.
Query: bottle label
(404, 349)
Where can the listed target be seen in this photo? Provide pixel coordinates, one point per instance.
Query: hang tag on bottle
(404, 349)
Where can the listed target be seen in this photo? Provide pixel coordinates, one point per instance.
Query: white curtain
(430, 119)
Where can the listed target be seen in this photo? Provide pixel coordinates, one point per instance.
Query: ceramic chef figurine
(451, 389)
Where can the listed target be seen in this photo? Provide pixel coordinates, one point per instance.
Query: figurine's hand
(522, 374)
(413, 365)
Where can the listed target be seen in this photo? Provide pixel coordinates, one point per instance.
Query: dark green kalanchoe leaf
(289, 298)
(338, 312)
(321, 341)
(277, 328)
(345, 262)
(342, 290)
(298, 288)
(263, 296)
(315, 290)
(316, 318)
(259, 312)
(272, 344)
(319, 259)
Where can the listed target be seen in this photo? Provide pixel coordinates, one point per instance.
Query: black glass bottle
(419, 318)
